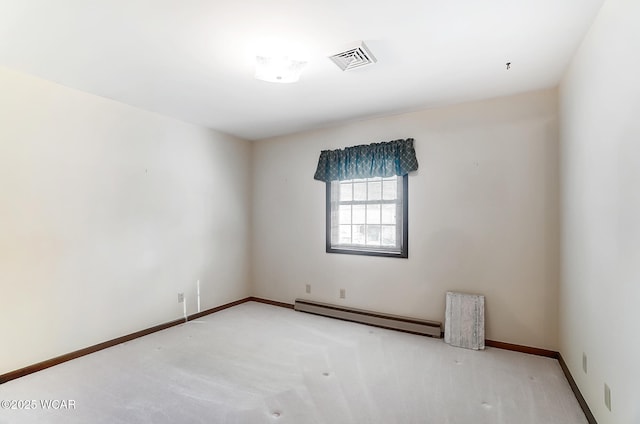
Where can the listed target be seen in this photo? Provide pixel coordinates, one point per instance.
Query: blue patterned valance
(396, 157)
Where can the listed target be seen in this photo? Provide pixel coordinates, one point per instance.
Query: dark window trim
(404, 252)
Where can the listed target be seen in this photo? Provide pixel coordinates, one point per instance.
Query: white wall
(483, 217)
(600, 289)
(106, 213)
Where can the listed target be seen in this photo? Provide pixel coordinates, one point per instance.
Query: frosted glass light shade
(278, 69)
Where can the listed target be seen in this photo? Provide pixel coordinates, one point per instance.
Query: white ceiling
(194, 59)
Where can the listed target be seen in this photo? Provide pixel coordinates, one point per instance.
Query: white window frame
(333, 201)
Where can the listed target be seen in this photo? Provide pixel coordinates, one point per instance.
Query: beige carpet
(256, 363)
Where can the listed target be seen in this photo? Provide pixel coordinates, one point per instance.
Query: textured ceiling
(194, 59)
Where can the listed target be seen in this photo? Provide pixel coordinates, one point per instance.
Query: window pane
(360, 191)
(373, 214)
(365, 216)
(358, 214)
(345, 191)
(345, 234)
(389, 214)
(375, 189)
(373, 235)
(388, 235)
(358, 234)
(345, 214)
(390, 188)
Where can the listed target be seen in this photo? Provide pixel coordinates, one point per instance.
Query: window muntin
(368, 216)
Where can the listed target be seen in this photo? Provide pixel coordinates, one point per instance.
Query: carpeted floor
(256, 363)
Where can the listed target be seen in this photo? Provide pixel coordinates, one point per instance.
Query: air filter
(354, 57)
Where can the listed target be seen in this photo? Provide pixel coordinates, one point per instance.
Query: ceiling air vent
(354, 57)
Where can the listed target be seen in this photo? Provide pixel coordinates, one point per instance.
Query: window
(367, 197)
(368, 216)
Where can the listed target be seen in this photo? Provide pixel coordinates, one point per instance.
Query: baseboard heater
(393, 322)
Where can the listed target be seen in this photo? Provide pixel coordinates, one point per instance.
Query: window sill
(368, 252)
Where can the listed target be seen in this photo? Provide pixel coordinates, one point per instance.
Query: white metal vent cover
(354, 57)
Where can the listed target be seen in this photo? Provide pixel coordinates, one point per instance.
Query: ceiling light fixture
(282, 69)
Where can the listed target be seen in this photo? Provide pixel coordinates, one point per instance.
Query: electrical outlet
(607, 396)
(342, 294)
(180, 297)
(584, 362)
(308, 288)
